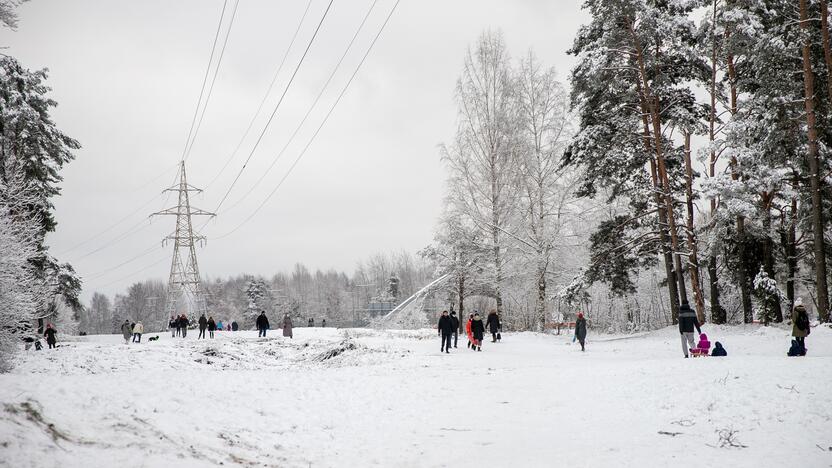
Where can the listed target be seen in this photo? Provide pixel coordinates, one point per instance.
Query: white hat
(798, 302)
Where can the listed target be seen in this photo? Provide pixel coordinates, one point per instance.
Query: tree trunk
(541, 297)
(742, 272)
(791, 251)
(717, 314)
(461, 306)
(827, 51)
(768, 254)
(664, 183)
(693, 260)
(672, 290)
(814, 168)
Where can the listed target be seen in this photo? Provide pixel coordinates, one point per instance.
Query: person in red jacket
(468, 330)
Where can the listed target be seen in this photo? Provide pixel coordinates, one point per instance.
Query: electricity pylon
(184, 269)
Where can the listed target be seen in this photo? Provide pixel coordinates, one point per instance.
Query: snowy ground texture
(376, 398)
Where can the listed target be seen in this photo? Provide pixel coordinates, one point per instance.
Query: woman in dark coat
(50, 336)
(212, 326)
(477, 330)
(287, 326)
(580, 329)
(800, 325)
(493, 323)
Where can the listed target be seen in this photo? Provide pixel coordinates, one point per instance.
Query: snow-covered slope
(385, 398)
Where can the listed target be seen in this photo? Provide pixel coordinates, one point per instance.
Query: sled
(698, 353)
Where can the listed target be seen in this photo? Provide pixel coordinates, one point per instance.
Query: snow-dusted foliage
(19, 284)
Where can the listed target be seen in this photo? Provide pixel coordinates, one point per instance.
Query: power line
(131, 275)
(213, 78)
(129, 260)
(117, 223)
(303, 151)
(274, 112)
(265, 96)
(205, 78)
(311, 108)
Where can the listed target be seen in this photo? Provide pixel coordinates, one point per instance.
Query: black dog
(153, 338)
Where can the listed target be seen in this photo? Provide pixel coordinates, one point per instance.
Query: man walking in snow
(446, 331)
(455, 322)
(262, 323)
(687, 322)
(203, 324)
(183, 323)
(493, 324)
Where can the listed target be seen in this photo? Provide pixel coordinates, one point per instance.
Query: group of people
(448, 328)
(132, 330)
(311, 323)
(262, 324)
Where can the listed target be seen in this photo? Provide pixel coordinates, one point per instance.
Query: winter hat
(703, 336)
(580, 315)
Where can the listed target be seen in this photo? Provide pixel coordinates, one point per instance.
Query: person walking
(468, 330)
(478, 331)
(211, 326)
(323, 323)
(172, 327)
(493, 323)
(203, 324)
(138, 329)
(183, 323)
(126, 331)
(287, 326)
(219, 326)
(687, 322)
(262, 324)
(580, 330)
(800, 325)
(445, 327)
(455, 321)
(50, 333)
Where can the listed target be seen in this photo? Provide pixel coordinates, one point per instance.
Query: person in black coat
(203, 324)
(446, 331)
(477, 331)
(50, 333)
(212, 326)
(687, 322)
(719, 350)
(580, 330)
(455, 322)
(262, 323)
(493, 324)
(183, 324)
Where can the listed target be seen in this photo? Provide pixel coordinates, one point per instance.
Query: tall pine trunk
(717, 313)
(672, 289)
(814, 169)
(664, 183)
(768, 253)
(693, 260)
(742, 271)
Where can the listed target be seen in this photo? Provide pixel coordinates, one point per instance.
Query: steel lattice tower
(184, 269)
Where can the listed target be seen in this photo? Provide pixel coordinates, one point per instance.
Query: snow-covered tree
(484, 157)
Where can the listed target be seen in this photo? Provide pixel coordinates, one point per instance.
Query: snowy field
(373, 398)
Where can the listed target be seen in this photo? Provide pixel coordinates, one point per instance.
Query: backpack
(802, 321)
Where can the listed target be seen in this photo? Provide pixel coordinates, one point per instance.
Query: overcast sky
(127, 76)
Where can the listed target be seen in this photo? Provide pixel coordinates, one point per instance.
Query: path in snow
(381, 398)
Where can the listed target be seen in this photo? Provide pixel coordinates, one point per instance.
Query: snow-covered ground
(375, 398)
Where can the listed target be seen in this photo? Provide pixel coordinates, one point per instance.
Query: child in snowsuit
(703, 347)
(719, 351)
